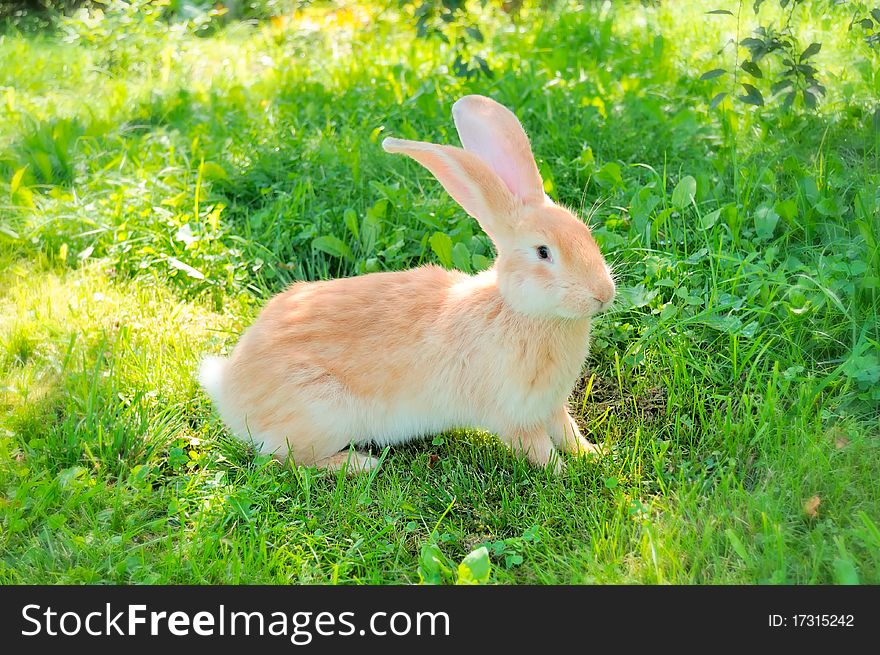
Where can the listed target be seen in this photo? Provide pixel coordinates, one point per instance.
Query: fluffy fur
(389, 357)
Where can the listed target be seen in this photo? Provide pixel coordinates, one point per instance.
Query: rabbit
(390, 357)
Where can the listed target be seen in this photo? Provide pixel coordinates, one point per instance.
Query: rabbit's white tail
(211, 376)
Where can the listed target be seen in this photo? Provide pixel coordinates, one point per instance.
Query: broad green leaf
(781, 85)
(668, 312)
(176, 200)
(241, 504)
(69, 475)
(752, 97)
(332, 245)
(765, 222)
(811, 50)
(608, 240)
(809, 99)
(642, 204)
(717, 99)
(684, 192)
(845, 572)
(379, 209)
(728, 324)
(828, 206)
(708, 220)
(432, 565)
(513, 559)
(55, 521)
(752, 69)
(351, 222)
(753, 44)
(441, 244)
(213, 171)
(532, 534)
(643, 201)
(461, 257)
(809, 188)
(863, 368)
(638, 296)
(586, 159)
(749, 330)
(787, 209)
(474, 32)
(480, 262)
(712, 74)
(609, 176)
(475, 568)
(431, 220)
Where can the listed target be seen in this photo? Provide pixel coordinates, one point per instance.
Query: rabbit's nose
(604, 294)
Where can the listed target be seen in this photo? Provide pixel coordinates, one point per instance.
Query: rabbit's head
(548, 262)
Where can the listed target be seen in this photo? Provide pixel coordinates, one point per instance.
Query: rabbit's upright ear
(466, 178)
(492, 132)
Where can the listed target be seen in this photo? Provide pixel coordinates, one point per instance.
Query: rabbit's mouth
(603, 305)
(603, 302)
(584, 303)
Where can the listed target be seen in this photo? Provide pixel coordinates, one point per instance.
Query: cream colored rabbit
(390, 357)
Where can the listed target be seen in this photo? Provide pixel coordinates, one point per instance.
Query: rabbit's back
(363, 330)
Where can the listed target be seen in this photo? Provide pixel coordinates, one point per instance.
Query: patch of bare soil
(606, 396)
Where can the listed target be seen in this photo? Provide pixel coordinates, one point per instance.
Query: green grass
(155, 193)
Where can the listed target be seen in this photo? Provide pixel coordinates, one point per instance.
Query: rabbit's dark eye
(543, 252)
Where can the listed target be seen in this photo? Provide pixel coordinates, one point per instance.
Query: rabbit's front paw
(566, 434)
(588, 449)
